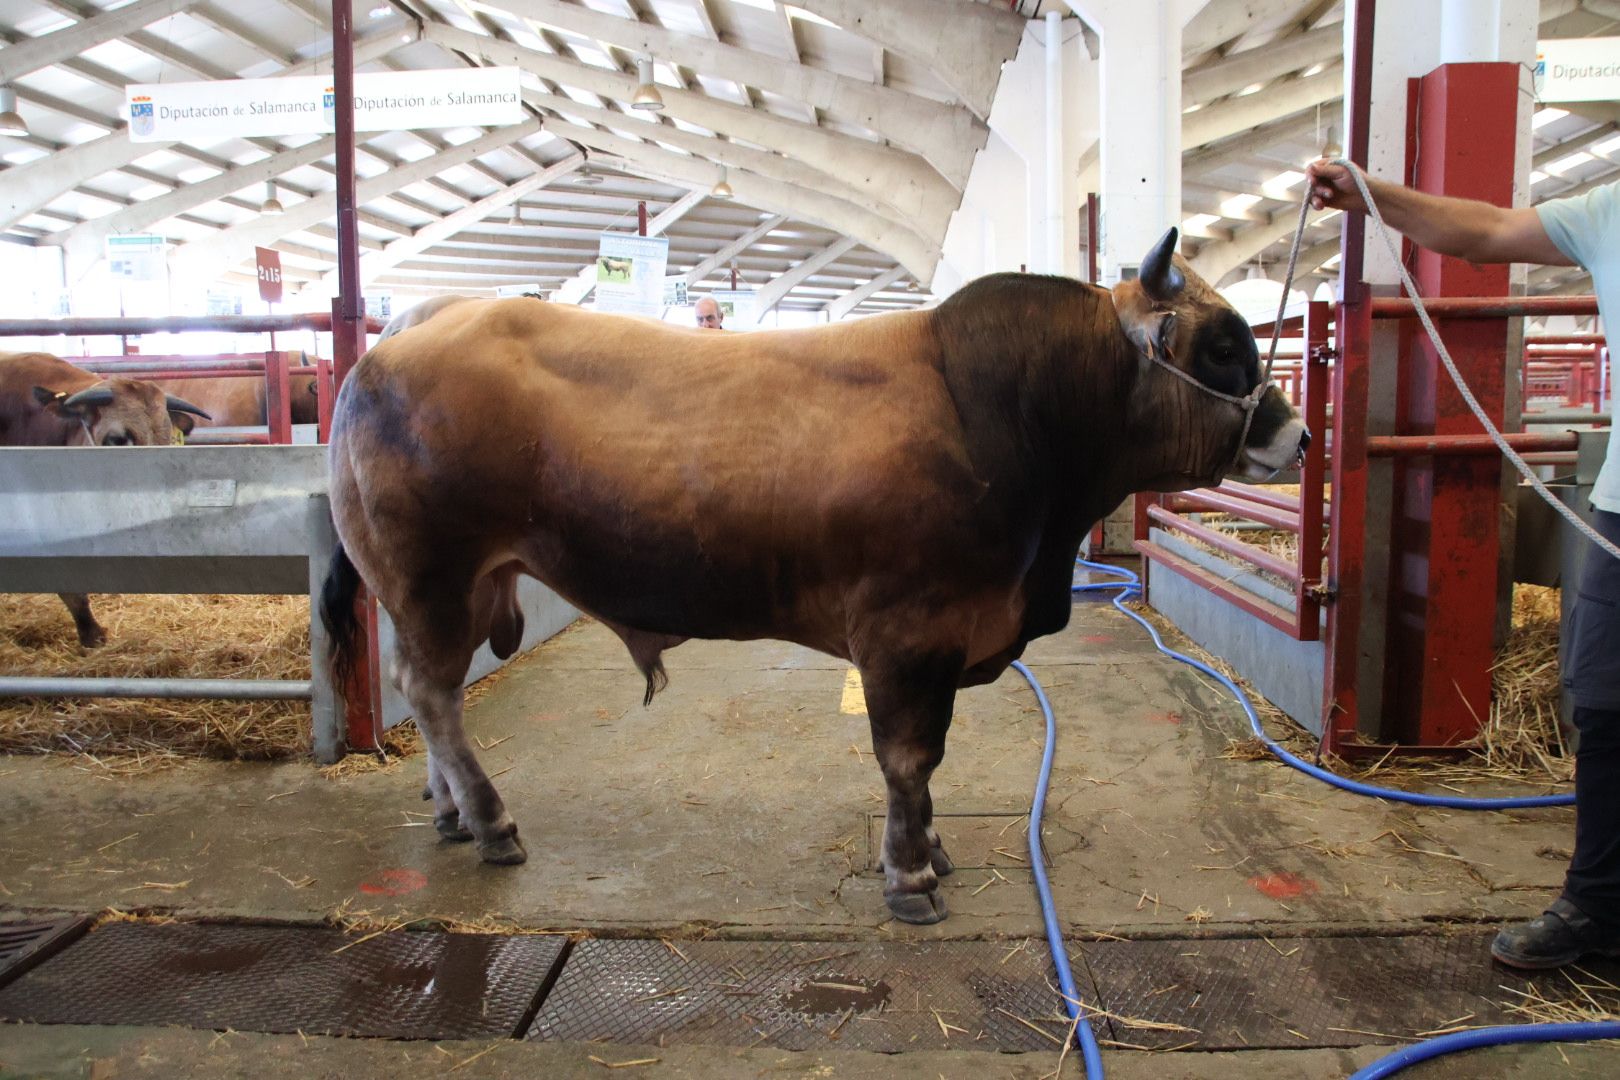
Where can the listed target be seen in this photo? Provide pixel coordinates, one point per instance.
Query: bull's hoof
(941, 862)
(922, 909)
(449, 826)
(503, 851)
(92, 639)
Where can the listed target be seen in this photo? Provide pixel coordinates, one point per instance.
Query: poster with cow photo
(630, 274)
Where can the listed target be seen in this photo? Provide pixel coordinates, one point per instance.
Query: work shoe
(1562, 935)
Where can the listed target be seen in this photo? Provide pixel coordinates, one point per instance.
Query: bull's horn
(93, 397)
(1160, 277)
(182, 405)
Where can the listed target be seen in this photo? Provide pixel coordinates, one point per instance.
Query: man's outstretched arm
(1476, 231)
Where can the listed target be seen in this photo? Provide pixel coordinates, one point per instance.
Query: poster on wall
(1578, 69)
(630, 274)
(306, 104)
(137, 256)
(738, 306)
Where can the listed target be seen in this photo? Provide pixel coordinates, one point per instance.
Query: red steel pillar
(1445, 547)
(1347, 540)
(363, 697)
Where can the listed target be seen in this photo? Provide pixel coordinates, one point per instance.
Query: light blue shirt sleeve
(1585, 227)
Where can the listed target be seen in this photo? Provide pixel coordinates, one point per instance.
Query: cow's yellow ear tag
(177, 437)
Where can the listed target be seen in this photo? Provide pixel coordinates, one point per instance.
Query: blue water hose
(1090, 1053)
(1130, 585)
(1491, 1036)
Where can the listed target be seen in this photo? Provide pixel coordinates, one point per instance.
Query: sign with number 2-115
(268, 261)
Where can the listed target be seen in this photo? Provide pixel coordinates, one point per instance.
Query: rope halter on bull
(1160, 265)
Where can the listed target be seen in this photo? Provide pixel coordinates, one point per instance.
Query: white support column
(1412, 40)
(1141, 124)
(1051, 231)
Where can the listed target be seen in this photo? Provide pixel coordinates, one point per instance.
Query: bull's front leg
(910, 705)
(91, 635)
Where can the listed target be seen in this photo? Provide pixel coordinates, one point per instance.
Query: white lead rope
(1445, 356)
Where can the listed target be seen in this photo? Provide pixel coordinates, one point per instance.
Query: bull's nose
(1304, 440)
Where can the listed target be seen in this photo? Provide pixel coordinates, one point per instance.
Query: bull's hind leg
(910, 706)
(435, 645)
(446, 815)
(84, 621)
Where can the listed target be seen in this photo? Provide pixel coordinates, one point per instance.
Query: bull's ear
(52, 400)
(1151, 329)
(183, 423)
(1161, 278)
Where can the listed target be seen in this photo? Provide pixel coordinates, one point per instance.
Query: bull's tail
(337, 613)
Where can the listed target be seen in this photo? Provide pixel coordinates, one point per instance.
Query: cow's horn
(1159, 275)
(93, 397)
(182, 405)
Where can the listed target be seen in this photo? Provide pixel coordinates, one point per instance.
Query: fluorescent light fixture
(1277, 187)
(1567, 162)
(1543, 117)
(1238, 205)
(11, 121)
(807, 16)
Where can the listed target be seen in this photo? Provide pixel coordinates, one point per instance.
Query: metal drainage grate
(285, 979)
(26, 945)
(806, 995)
(1307, 992)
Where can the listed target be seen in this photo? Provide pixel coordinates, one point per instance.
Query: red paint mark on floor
(1097, 639)
(1284, 886)
(1166, 717)
(394, 882)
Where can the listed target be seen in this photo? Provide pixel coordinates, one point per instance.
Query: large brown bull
(240, 401)
(907, 492)
(46, 401)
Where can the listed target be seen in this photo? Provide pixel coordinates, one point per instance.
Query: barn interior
(183, 893)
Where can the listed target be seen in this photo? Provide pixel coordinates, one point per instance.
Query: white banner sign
(304, 104)
(503, 292)
(630, 274)
(739, 308)
(136, 256)
(1578, 69)
(675, 291)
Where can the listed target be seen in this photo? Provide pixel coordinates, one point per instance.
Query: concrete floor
(740, 803)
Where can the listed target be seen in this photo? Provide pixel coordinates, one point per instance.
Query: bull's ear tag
(176, 437)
